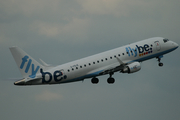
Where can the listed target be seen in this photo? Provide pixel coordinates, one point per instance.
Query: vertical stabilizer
(26, 64)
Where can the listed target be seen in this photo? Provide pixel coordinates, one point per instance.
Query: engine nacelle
(131, 68)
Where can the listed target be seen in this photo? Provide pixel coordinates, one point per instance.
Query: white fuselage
(92, 66)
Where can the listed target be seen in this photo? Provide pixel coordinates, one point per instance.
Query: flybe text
(33, 70)
(57, 75)
(142, 50)
(46, 76)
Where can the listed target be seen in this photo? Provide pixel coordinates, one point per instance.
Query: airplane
(125, 59)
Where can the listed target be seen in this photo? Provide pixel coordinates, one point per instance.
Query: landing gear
(111, 80)
(159, 60)
(94, 80)
(160, 64)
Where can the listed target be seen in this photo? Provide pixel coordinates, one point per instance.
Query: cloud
(75, 27)
(105, 7)
(29, 7)
(61, 8)
(48, 96)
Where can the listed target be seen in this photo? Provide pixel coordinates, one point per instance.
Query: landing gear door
(158, 46)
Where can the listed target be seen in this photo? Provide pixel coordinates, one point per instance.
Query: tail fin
(26, 64)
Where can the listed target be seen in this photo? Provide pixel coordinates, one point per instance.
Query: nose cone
(175, 45)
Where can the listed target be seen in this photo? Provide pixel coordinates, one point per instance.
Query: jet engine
(131, 68)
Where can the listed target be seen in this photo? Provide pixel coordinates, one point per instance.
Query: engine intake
(131, 68)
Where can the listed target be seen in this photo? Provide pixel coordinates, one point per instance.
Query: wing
(113, 68)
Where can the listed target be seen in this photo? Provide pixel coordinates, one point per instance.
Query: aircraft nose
(175, 45)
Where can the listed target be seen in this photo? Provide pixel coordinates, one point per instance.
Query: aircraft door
(59, 75)
(63, 73)
(158, 46)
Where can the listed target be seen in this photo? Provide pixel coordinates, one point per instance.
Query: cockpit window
(165, 40)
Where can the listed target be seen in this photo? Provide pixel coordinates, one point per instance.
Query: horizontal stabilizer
(28, 82)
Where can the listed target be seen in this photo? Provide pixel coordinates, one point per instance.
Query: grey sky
(59, 31)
